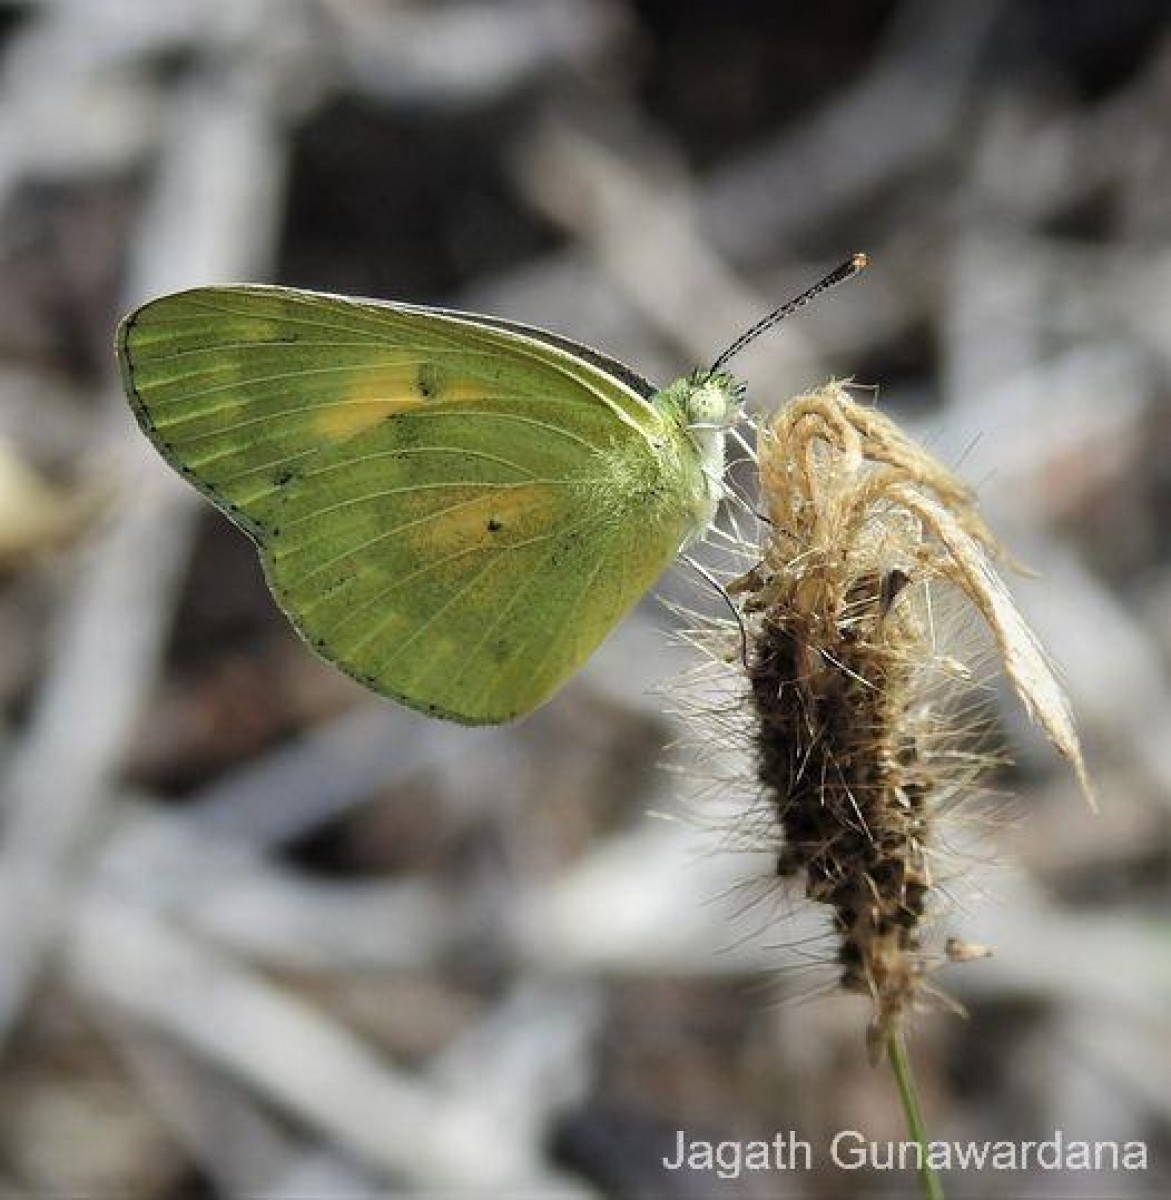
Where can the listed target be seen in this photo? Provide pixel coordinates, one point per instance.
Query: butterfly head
(706, 404)
(713, 400)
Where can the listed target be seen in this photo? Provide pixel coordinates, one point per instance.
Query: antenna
(839, 274)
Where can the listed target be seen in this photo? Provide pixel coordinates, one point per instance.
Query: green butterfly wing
(454, 510)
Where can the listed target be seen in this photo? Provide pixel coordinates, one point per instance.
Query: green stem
(900, 1064)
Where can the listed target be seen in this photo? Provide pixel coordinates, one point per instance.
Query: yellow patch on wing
(496, 517)
(379, 393)
(383, 391)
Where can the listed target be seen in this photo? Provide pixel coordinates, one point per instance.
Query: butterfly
(454, 509)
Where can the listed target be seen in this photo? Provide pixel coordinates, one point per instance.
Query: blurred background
(261, 933)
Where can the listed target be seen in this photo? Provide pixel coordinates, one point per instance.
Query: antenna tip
(860, 260)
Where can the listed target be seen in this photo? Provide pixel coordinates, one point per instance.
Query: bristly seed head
(854, 751)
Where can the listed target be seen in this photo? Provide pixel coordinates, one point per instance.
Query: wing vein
(381, 596)
(412, 488)
(555, 641)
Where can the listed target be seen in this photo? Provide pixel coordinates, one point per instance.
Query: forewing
(460, 560)
(242, 387)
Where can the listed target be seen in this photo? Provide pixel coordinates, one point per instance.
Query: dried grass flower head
(857, 749)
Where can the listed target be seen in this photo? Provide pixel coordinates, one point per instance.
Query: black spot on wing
(429, 381)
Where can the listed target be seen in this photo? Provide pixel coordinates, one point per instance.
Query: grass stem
(900, 1063)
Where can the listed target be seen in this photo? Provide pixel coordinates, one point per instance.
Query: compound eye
(706, 406)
